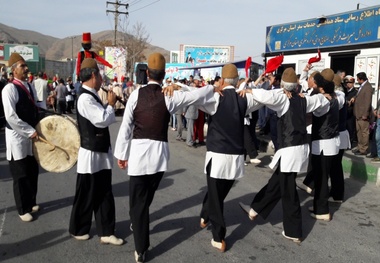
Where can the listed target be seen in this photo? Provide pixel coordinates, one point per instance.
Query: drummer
(21, 117)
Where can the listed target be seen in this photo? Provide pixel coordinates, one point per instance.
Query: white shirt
(226, 166)
(293, 158)
(69, 96)
(41, 87)
(147, 156)
(18, 141)
(88, 161)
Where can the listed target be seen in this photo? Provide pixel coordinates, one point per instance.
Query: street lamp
(72, 54)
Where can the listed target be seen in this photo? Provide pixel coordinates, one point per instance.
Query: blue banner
(351, 28)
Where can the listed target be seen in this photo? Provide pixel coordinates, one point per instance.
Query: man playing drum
(21, 115)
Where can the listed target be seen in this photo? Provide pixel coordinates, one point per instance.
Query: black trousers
(281, 186)
(213, 204)
(249, 144)
(25, 183)
(93, 195)
(322, 169)
(141, 194)
(309, 178)
(337, 177)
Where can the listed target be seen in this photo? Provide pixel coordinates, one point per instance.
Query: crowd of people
(312, 119)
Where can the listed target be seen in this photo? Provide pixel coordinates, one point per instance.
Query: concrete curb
(358, 168)
(361, 169)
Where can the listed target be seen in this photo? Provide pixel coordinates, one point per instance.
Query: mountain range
(53, 48)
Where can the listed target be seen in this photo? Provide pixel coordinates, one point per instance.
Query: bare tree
(136, 41)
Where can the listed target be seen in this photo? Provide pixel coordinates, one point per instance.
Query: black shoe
(355, 151)
(359, 153)
(201, 144)
(371, 155)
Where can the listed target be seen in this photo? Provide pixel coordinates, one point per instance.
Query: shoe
(359, 153)
(112, 240)
(201, 143)
(139, 257)
(221, 246)
(324, 217)
(355, 150)
(35, 208)
(370, 155)
(174, 129)
(27, 217)
(203, 223)
(193, 145)
(81, 238)
(249, 211)
(255, 161)
(294, 239)
(130, 227)
(375, 160)
(332, 200)
(304, 187)
(245, 164)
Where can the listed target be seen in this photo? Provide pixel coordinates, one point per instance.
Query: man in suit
(362, 112)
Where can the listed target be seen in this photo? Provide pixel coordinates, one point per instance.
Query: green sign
(28, 52)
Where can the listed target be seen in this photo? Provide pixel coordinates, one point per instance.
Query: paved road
(352, 236)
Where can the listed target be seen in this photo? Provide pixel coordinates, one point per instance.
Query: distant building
(347, 41)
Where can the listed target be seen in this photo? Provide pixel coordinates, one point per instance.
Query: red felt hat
(86, 38)
(274, 63)
(316, 58)
(248, 63)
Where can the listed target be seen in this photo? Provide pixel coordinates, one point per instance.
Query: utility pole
(117, 4)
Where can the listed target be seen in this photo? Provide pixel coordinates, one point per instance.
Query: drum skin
(62, 132)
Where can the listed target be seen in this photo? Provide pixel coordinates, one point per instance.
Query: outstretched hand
(169, 90)
(219, 91)
(243, 92)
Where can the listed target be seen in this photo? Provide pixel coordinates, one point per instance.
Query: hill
(53, 48)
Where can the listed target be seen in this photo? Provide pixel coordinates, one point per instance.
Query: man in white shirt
(93, 194)
(292, 156)
(142, 143)
(224, 162)
(21, 114)
(41, 86)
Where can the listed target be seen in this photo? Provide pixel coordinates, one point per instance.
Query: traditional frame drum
(58, 144)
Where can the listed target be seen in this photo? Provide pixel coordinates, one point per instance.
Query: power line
(145, 6)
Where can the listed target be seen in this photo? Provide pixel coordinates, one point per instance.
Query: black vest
(26, 109)
(326, 126)
(92, 138)
(151, 116)
(226, 127)
(291, 127)
(343, 118)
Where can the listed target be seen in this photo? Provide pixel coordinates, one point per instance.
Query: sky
(170, 23)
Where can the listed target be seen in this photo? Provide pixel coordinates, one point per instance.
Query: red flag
(274, 63)
(316, 58)
(248, 63)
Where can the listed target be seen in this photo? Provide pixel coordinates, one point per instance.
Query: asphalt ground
(353, 235)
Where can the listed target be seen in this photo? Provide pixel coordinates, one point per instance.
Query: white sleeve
(124, 137)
